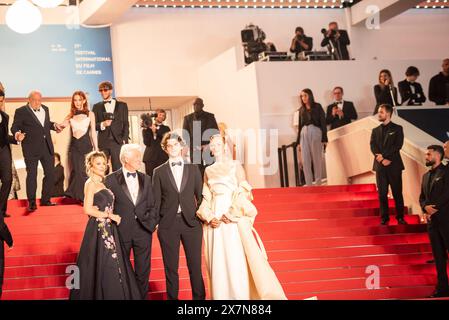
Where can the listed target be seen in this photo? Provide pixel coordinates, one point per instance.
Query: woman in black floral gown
(105, 273)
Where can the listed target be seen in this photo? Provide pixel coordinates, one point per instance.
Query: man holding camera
(338, 40)
(153, 130)
(341, 112)
(112, 124)
(300, 42)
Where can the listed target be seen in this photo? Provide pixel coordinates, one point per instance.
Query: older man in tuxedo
(33, 121)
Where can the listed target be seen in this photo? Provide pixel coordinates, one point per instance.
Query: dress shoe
(430, 261)
(402, 221)
(32, 207)
(48, 204)
(439, 294)
(5, 215)
(384, 221)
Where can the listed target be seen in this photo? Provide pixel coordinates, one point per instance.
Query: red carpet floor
(319, 241)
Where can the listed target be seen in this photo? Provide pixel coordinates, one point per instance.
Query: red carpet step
(319, 240)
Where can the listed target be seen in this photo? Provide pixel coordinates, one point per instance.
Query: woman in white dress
(236, 260)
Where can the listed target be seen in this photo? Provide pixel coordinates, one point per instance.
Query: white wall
(158, 51)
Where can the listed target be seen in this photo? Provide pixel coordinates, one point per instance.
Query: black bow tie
(37, 110)
(179, 163)
(339, 102)
(107, 101)
(133, 174)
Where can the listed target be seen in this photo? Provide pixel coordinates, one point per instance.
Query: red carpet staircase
(319, 240)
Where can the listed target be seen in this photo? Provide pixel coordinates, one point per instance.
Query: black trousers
(392, 178)
(439, 239)
(112, 151)
(192, 241)
(140, 243)
(47, 162)
(5, 177)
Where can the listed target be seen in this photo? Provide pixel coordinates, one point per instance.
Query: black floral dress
(104, 272)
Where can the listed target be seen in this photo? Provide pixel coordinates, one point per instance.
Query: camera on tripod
(253, 42)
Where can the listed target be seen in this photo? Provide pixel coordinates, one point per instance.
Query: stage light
(23, 17)
(48, 3)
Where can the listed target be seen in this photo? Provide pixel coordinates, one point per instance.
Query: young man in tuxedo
(411, 91)
(339, 39)
(434, 200)
(5, 236)
(386, 143)
(134, 203)
(33, 121)
(154, 156)
(5, 157)
(178, 192)
(112, 124)
(198, 127)
(341, 112)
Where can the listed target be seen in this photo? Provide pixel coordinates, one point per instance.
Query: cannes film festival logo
(373, 20)
(73, 280)
(372, 282)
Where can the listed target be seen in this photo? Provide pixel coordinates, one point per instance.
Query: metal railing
(283, 165)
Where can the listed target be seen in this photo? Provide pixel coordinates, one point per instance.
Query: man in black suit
(178, 192)
(112, 124)
(5, 236)
(198, 127)
(337, 38)
(434, 200)
(154, 156)
(5, 157)
(58, 187)
(439, 86)
(33, 120)
(386, 143)
(340, 112)
(411, 91)
(134, 203)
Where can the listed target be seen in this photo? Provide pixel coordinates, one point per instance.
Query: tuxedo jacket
(5, 138)
(436, 191)
(37, 137)
(153, 151)
(119, 128)
(142, 213)
(389, 146)
(168, 197)
(406, 93)
(349, 114)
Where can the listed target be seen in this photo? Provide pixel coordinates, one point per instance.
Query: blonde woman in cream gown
(235, 257)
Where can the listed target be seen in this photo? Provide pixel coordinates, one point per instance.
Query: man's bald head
(35, 99)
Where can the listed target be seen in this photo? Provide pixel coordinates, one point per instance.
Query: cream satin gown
(228, 268)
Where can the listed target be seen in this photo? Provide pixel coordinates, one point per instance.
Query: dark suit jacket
(383, 96)
(168, 197)
(389, 147)
(5, 138)
(343, 42)
(143, 213)
(37, 136)
(437, 192)
(207, 122)
(153, 151)
(318, 119)
(349, 114)
(407, 97)
(119, 128)
(438, 89)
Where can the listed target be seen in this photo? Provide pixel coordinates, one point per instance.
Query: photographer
(300, 42)
(153, 130)
(337, 40)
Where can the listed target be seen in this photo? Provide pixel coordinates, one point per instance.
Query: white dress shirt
(177, 172)
(132, 184)
(1, 118)
(40, 114)
(110, 108)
